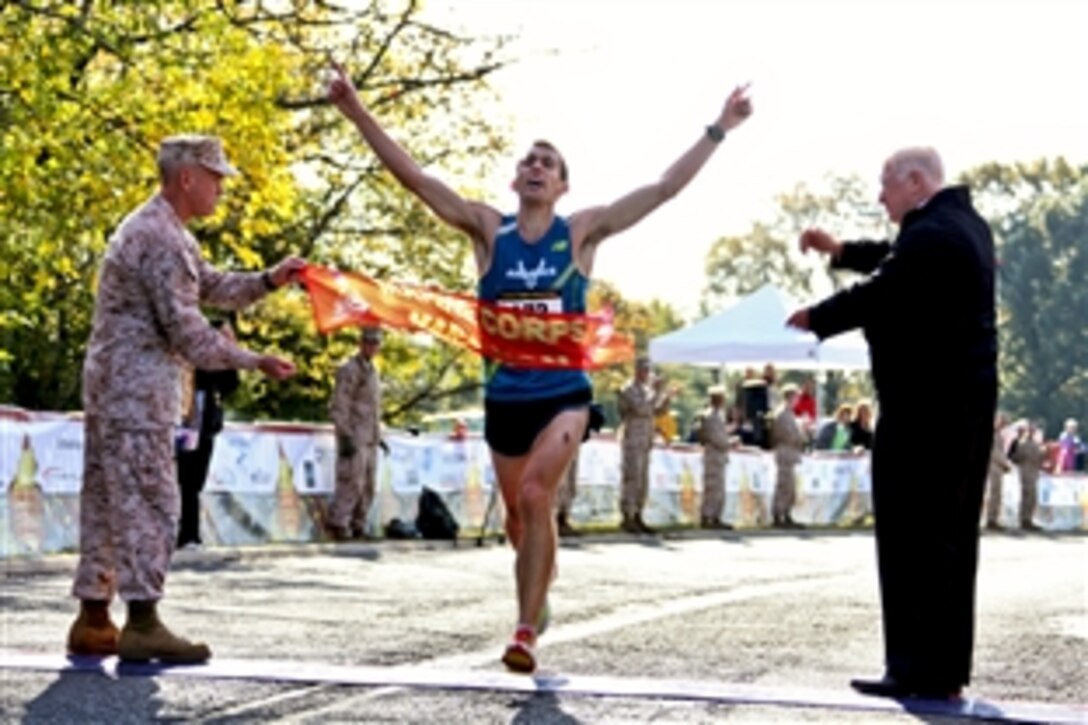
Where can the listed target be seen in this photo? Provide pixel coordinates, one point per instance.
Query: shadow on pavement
(125, 700)
(541, 709)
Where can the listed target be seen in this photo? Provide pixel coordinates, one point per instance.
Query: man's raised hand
(738, 107)
(799, 320)
(821, 241)
(341, 91)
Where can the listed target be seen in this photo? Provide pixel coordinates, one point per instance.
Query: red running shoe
(519, 655)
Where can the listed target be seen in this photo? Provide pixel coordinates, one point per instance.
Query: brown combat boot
(338, 534)
(144, 637)
(93, 634)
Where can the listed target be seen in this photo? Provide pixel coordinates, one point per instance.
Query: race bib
(537, 302)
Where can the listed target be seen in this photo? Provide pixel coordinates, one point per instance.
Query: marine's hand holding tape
(275, 367)
(288, 270)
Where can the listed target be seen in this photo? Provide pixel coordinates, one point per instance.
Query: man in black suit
(927, 310)
(210, 387)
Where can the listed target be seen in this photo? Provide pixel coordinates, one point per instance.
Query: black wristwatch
(715, 133)
(267, 279)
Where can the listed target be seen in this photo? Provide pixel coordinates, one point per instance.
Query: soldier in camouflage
(716, 441)
(789, 445)
(568, 489)
(356, 416)
(999, 466)
(638, 406)
(147, 325)
(1028, 455)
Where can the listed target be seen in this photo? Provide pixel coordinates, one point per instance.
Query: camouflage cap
(372, 333)
(195, 149)
(642, 362)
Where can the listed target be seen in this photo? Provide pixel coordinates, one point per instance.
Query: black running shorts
(511, 427)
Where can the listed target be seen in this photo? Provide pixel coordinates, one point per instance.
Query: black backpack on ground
(397, 529)
(435, 520)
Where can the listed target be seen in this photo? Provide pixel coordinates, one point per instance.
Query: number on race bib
(539, 305)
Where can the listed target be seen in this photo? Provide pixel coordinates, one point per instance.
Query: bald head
(921, 159)
(910, 177)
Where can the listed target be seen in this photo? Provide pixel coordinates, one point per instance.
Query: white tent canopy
(753, 332)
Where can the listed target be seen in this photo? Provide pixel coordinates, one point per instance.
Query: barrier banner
(58, 447)
(244, 461)
(273, 482)
(523, 332)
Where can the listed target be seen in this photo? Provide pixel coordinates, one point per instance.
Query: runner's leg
(537, 485)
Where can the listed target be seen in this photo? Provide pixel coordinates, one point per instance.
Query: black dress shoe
(564, 528)
(889, 686)
(642, 527)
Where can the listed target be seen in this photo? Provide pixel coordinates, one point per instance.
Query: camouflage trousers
(568, 488)
(1029, 481)
(128, 512)
(355, 484)
(713, 487)
(785, 486)
(993, 497)
(635, 477)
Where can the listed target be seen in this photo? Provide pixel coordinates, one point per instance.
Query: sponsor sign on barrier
(273, 482)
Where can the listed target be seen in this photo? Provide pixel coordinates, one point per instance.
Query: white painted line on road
(638, 614)
(556, 684)
(264, 703)
(626, 616)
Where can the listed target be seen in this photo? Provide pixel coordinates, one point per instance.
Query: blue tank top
(543, 277)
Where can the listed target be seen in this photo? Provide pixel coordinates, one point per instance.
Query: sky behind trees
(624, 88)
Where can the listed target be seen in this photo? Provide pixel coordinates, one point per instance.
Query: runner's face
(539, 175)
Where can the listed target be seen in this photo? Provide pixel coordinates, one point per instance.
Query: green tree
(1039, 212)
(643, 321)
(768, 252)
(88, 89)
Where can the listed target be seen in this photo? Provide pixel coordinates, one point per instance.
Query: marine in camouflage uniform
(1028, 455)
(356, 416)
(789, 444)
(999, 466)
(638, 406)
(568, 489)
(715, 440)
(147, 325)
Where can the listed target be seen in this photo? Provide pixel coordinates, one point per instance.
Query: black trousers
(927, 502)
(192, 472)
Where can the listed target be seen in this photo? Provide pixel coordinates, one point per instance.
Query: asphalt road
(738, 627)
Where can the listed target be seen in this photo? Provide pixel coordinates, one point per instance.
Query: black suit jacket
(215, 386)
(928, 308)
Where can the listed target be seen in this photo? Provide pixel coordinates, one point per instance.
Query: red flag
(504, 334)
